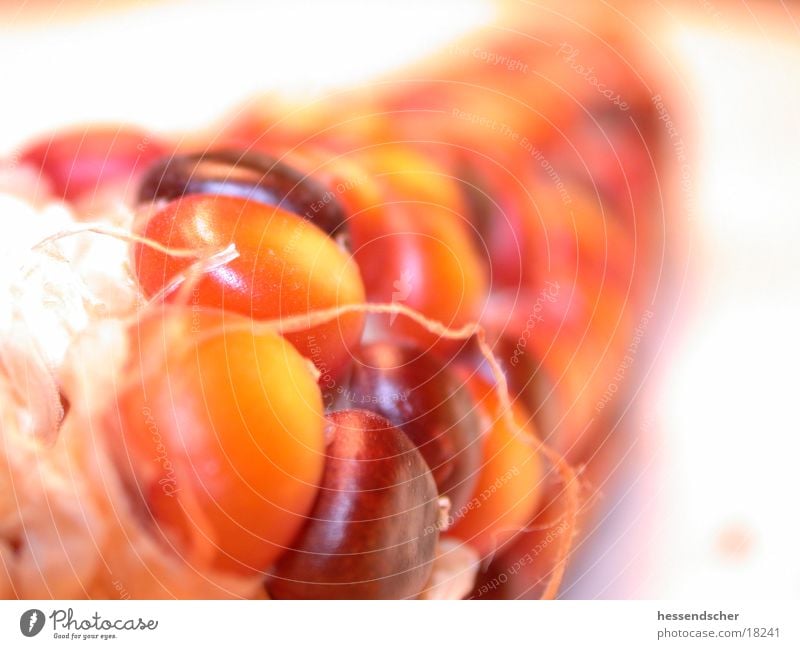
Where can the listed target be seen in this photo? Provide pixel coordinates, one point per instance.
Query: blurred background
(702, 503)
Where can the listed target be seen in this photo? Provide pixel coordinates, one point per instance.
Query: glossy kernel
(374, 528)
(218, 436)
(424, 397)
(285, 267)
(246, 174)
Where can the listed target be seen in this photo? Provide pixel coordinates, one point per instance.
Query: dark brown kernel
(374, 528)
(245, 174)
